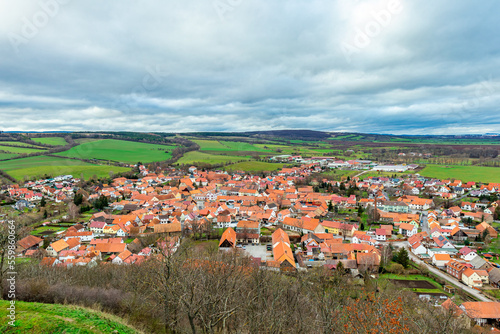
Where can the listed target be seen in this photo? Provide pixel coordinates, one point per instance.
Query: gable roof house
(28, 243)
(475, 278)
(228, 239)
(482, 312)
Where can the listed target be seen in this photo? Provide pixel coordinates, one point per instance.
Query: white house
(440, 260)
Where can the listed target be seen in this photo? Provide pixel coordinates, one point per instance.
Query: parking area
(258, 251)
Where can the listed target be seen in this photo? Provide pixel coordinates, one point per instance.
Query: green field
(55, 141)
(255, 166)
(241, 146)
(197, 156)
(18, 149)
(41, 165)
(20, 144)
(463, 173)
(119, 150)
(211, 145)
(77, 171)
(40, 318)
(7, 156)
(215, 145)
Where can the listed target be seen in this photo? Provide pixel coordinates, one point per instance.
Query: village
(287, 221)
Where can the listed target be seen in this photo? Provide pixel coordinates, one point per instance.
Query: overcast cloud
(402, 67)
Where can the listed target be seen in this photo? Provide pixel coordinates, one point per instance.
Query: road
(478, 295)
(362, 173)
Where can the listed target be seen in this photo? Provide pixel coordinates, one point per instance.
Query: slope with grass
(41, 165)
(250, 166)
(201, 157)
(40, 318)
(19, 149)
(54, 141)
(120, 150)
(463, 173)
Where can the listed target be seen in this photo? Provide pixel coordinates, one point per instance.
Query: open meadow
(42, 165)
(54, 141)
(120, 150)
(463, 173)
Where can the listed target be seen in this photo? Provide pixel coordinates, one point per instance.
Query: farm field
(215, 145)
(19, 149)
(55, 141)
(119, 150)
(285, 149)
(241, 146)
(41, 165)
(211, 145)
(385, 174)
(255, 166)
(464, 173)
(41, 318)
(197, 156)
(77, 171)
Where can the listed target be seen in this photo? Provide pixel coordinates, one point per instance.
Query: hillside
(53, 318)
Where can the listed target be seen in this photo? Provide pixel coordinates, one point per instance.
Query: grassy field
(7, 156)
(77, 171)
(18, 149)
(120, 150)
(40, 318)
(19, 144)
(255, 166)
(41, 165)
(215, 145)
(55, 141)
(211, 145)
(197, 156)
(464, 173)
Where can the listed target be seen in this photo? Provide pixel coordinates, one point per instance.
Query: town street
(448, 278)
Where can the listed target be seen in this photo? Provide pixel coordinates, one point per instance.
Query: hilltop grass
(250, 166)
(54, 141)
(463, 173)
(40, 318)
(120, 150)
(19, 149)
(201, 157)
(41, 165)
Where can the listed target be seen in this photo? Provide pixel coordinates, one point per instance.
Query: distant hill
(37, 318)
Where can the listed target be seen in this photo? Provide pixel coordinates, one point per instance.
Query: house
(475, 278)
(228, 239)
(467, 254)
(56, 247)
(382, 234)
(407, 229)
(487, 227)
(480, 263)
(304, 225)
(494, 277)
(29, 243)
(282, 253)
(455, 269)
(482, 312)
(440, 260)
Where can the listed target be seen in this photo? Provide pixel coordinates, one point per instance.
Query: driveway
(258, 251)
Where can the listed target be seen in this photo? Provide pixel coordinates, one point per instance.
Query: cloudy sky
(402, 67)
